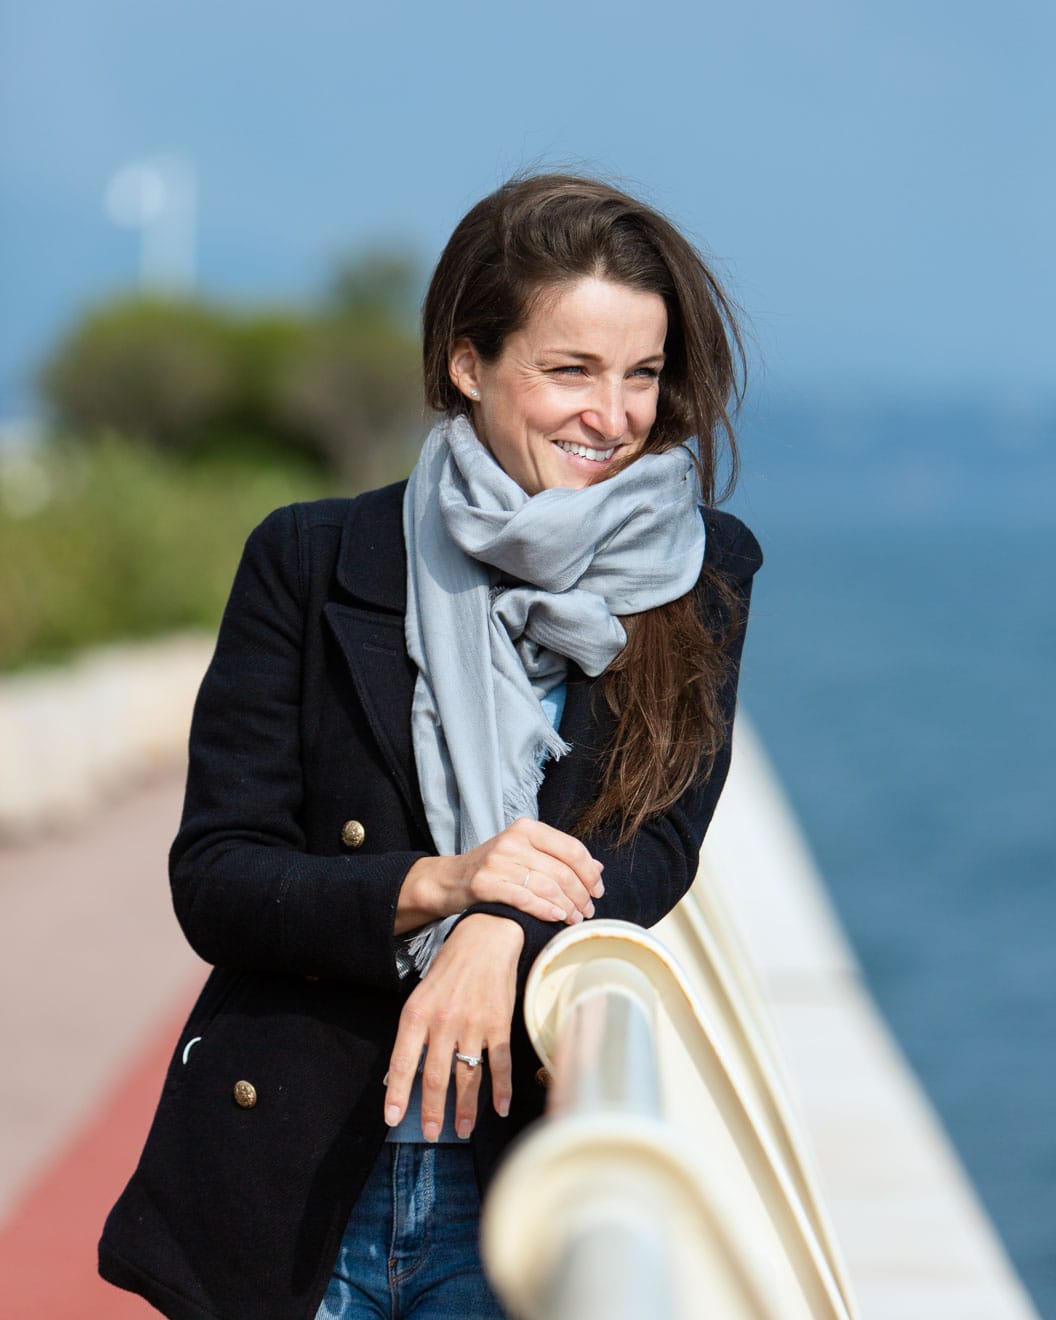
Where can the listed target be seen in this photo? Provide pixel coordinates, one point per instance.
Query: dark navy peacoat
(302, 724)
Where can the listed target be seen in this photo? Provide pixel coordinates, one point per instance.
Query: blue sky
(875, 181)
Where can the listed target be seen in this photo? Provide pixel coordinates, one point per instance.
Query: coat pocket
(216, 995)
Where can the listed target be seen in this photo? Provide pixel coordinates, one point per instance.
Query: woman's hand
(465, 1002)
(529, 865)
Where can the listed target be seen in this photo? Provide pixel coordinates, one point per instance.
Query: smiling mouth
(584, 451)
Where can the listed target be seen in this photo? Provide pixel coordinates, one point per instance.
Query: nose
(606, 413)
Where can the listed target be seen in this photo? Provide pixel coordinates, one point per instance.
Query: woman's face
(574, 390)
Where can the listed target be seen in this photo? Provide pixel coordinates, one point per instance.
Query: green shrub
(115, 540)
(147, 367)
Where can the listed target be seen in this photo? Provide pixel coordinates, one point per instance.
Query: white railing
(669, 1178)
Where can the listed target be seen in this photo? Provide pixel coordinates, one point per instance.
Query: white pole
(158, 195)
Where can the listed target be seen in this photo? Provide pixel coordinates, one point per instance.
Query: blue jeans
(410, 1248)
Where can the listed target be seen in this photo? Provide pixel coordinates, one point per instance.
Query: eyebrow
(593, 357)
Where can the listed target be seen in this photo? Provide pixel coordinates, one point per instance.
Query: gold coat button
(543, 1077)
(245, 1095)
(352, 833)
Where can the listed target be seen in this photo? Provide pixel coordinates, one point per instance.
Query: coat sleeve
(645, 878)
(246, 892)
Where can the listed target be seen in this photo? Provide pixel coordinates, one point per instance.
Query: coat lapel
(372, 559)
(367, 624)
(384, 677)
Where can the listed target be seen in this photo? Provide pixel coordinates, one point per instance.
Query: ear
(463, 365)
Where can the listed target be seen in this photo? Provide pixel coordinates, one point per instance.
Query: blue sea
(900, 667)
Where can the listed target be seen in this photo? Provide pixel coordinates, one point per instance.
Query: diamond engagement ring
(472, 1060)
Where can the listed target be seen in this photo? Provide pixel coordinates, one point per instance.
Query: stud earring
(475, 393)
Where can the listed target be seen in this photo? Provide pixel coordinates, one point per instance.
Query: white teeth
(597, 455)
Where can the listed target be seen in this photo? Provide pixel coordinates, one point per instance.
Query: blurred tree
(382, 285)
(148, 367)
(341, 384)
(353, 387)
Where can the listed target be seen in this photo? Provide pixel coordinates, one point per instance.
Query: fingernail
(599, 889)
(431, 1131)
(392, 1115)
(559, 913)
(385, 1080)
(464, 1127)
(577, 916)
(503, 1108)
(590, 909)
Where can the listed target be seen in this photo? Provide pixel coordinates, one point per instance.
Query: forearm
(271, 908)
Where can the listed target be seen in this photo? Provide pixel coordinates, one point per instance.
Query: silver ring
(472, 1060)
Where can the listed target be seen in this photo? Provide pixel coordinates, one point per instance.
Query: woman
(442, 720)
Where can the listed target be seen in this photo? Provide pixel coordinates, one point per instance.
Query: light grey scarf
(486, 654)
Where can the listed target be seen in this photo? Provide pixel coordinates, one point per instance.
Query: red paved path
(48, 1250)
(95, 982)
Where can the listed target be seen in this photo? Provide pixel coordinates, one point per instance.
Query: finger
(511, 880)
(467, 1091)
(553, 880)
(500, 1065)
(564, 858)
(403, 1062)
(575, 855)
(436, 1077)
(532, 892)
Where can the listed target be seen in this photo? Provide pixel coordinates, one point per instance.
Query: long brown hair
(531, 235)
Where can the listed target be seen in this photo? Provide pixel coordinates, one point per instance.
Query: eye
(572, 367)
(649, 373)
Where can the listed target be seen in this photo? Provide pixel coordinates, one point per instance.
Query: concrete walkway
(92, 961)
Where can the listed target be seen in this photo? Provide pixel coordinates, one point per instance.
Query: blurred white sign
(158, 196)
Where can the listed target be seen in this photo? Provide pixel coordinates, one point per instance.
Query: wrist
(501, 932)
(418, 901)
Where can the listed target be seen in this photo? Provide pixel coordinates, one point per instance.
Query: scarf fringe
(521, 798)
(426, 943)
